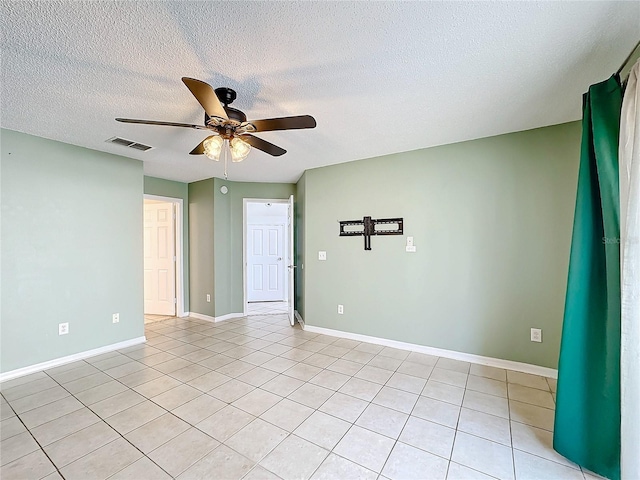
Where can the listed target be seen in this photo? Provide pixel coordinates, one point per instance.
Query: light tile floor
(267, 308)
(254, 398)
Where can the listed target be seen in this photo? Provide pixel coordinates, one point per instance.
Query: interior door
(265, 263)
(159, 259)
(291, 262)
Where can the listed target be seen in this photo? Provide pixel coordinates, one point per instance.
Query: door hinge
(175, 258)
(175, 300)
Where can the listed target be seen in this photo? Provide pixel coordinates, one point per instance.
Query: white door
(159, 259)
(291, 262)
(265, 263)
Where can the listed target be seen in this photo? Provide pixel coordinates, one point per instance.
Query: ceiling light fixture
(214, 145)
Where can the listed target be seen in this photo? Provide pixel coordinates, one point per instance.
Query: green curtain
(587, 421)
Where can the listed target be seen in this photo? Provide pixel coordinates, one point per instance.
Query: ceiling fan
(229, 125)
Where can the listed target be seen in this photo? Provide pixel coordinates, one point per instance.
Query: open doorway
(268, 257)
(163, 294)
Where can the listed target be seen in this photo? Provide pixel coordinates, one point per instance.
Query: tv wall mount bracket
(367, 227)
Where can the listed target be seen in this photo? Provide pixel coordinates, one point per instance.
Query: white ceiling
(379, 77)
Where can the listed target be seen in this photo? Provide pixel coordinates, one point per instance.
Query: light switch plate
(410, 248)
(409, 241)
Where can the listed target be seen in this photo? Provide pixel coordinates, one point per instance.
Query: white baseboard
(184, 314)
(439, 352)
(299, 318)
(19, 372)
(209, 318)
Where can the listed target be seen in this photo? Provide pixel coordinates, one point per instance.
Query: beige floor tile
(428, 436)
(117, 403)
(356, 356)
(37, 400)
(257, 439)
(125, 369)
(236, 368)
(334, 351)
(374, 374)
(189, 372)
(319, 360)
(80, 369)
(177, 455)
(157, 432)
(483, 455)
(531, 395)
(394, 353)
(308, 458)
(408, 383)
(303, 372)
(414, 369)
(80, 443)
(454, 365)
(257, 401)
(532, 415)
(490, 427)
(33, 465)
(282, 385)
(32, 377)
(198, 409)
(322, 429)
(436, 411)
(141, 469)
(279, 364)
(209, 381)
(59, 428)
(276, 349)
(444, 392)
(37, 384)
(537, 442)
(330, 380)
(366, 448)
(6, 411)
(527, 380)
(379, 361)
(103, 462)
(487, 385)
(488, 372)
(287, 414)
(382, 420)
(346, 367)
(222, 462)
(140, 377)
(296, 354)
(530, 467)
(10, 427)
(172, 365)
(258, 376)
(100, 392)
(553, 384)
(50, 411)
(312, 346)
(85, 383)
(450, 377)
(157, 358)
(311, 395)
(258, 358)
(362, 389)
(176, 396)
(335, 467)
(198, 355)
(134, 417)
(17, 446)
(369, 348)
(422, 358)
(225, 422)
(396, 399)
(231, 391)
(407, 462)
(157, 386)
(460, 472)
(344, 406)
(486, 403)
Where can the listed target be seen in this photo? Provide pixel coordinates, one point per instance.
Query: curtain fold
(629, 155)
(587, 418)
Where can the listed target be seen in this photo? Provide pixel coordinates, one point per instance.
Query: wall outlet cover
(410, 249)
(63, 328)
(116, 318)
(536, 335)
(340, 309)
(322, 255)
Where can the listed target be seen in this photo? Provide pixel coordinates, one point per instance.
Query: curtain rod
(626, 60)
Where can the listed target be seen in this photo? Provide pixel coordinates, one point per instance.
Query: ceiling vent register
(129, 143)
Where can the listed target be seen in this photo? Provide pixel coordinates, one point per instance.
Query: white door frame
(245, 202)
(177, 210)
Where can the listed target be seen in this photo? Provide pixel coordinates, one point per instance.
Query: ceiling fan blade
(206, 96)
(284, 123)
(263, 145)
(168, 124)
(199, 149)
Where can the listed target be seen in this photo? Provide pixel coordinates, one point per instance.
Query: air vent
(129, 143)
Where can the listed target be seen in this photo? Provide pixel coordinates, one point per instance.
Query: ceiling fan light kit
(229, 125)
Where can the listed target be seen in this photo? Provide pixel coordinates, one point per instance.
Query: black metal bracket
(367, 228)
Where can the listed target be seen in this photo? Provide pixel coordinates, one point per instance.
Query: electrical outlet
(322, 255)
(410, 248)
(208, 297)
(63, 328)
(116, 318)
(340, 309)
(536, 335)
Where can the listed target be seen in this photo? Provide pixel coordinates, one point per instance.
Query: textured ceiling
(379, 77)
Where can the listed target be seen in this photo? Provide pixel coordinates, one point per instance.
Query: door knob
(279, 258)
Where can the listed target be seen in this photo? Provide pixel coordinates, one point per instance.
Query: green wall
(71, 249)
(169, 188)
(201, 261)
(299, 244)
(491, 219)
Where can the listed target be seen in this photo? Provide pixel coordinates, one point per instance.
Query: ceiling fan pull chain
(225, 159)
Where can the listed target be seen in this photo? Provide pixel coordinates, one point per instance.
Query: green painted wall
(169, 188)
(201, 261)
(71, 249)
(491, 219)
(299, 243)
